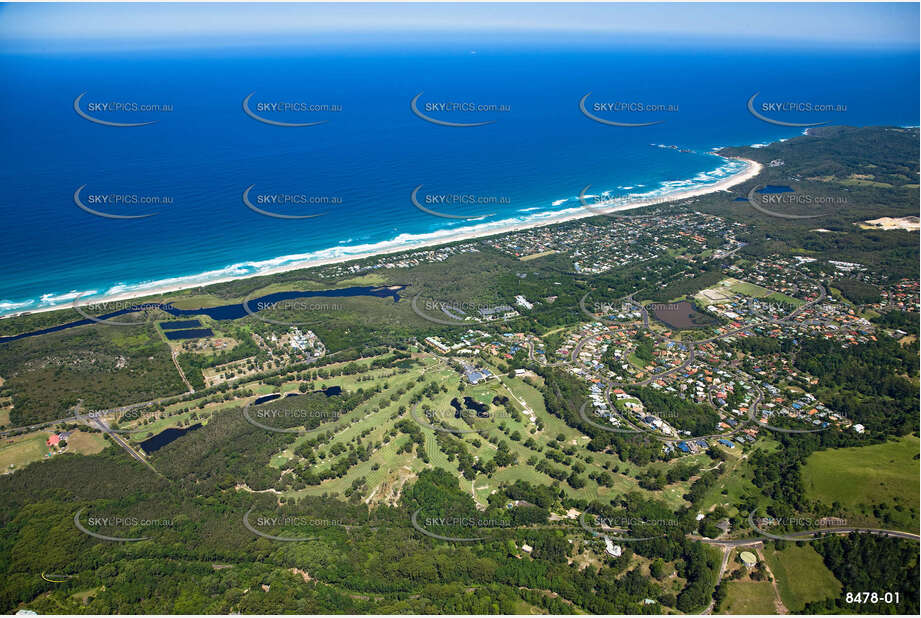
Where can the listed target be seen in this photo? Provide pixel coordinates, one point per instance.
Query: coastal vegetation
(405, 422)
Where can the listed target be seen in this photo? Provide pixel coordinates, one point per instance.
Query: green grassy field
(386, 469)
(757, 291)
(860, 477)
(391, 467)
(172, 417)
(22, 450)
(783, 298)
(728, 286)
(748, 289)
(801, 575)
(86, 443)
(748, 598)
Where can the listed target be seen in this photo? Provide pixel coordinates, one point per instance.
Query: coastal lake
(233, 311)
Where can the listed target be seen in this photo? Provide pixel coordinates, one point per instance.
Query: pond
(681, 315)
(155, 443)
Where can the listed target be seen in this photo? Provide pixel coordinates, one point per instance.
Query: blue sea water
(532, 161)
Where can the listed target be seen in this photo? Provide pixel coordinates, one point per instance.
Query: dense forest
(875, 169)
(865, 563)
(682, 414)
(873, 383)
(361, 560)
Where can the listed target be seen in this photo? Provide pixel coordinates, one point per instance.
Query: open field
(534, 256)
(747, 289)
(721, 293)
(783, 298)
(891, 223)
(86, 443)
(174, 416)
(748, 597)
(155, 427)
(756, 291)
(22, 450)
(860, 478)
(801, 575)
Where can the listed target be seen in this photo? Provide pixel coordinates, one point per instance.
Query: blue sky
(870, 24)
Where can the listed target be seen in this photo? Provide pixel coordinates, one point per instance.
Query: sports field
(719, 293)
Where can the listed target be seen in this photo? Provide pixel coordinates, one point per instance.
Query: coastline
(753, 168)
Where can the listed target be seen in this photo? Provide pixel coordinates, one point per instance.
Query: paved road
(174, 353)
(691, 345)
(692, 354)
(36, 426)
(808, 534)
(823, 294)
(753, 410)
(101, 424)
(531, 358)
(78, 418)
(97, 420)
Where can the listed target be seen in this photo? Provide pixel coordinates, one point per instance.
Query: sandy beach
(617, 205)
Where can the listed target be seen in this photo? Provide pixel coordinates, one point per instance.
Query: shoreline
(753, 168)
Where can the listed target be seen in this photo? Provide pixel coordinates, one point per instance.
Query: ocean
(358, 168)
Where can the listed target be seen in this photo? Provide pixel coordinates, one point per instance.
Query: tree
(657, 568)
